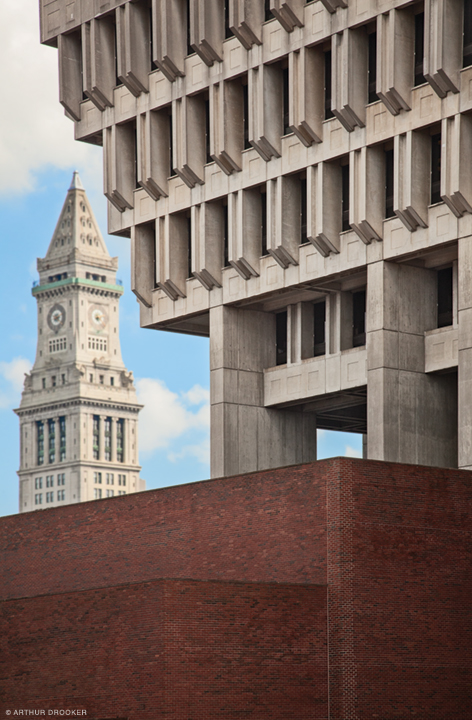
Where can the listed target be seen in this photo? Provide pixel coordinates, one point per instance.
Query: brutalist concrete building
(296, 182)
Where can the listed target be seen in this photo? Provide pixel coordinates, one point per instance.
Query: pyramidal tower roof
(77, 230)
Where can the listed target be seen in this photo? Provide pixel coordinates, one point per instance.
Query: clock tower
(78, 411)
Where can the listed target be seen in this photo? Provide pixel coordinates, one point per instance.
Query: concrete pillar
(465, 353)
(245, 436)
(411, 416)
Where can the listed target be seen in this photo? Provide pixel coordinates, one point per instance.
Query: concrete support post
(411, 416)
(245, 436)
(465, 353)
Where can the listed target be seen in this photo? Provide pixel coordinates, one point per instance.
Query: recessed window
(61, 479)
(445, 291)
(372, 68)
(467, 41)
(57, 344)
(97, 493)
(38, 499)
(112, 381)
(49, 480)
(96, 436)
(40, 442)
(327, 86)
(61, 495)
(419, 49)
(122, 480)
(345, 197)
(247, 144)
(435, 168)
(319, 332)
(120, 436)
(281, 338)
(62, 439)
(107, 438)
(389, 181)
(49, 497)
(97, 343)
(52, 440)
(264, 250)
(303, 211)
(53, 381)
(285, 101)
(102, 379)
(38, 483)
(97, 478)
(44, 383)
(358, 318)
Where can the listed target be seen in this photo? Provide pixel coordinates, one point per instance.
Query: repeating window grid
(61, 495)
(38, 499)
(97, 343)
(52, 440)
(97, 493)
(97, 478)
(61, 479)
(120, 440)
(110, 479)
(57, 344)
(49, 497)
(62, 439)
(38, 483)
(107, 434)
(122, 480)
(96, 437)
(40, 442)
(49, 480)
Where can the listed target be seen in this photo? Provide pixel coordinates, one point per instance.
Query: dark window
(117, 79)
(247, 144)
(189, 248)
(62, 439)
(281, 337)
(120, 434)
(225, 237)
(358, 318)
(40, 443)
(267, 13)
(228, 31)
(327, 89)
(373, 68)
(389, 180)
(107, 433)
(286, 121)
(303, 209)
(467, 44)
(151, 41)
(435, 168)
(264, 223)
(44, 383)
(445, 297)
(172, 172)
(52, 440)
(419, 49)
(53, 381)
(190, 49)
(319, 332)
(96, 437)
(207, 131)
(345, 197)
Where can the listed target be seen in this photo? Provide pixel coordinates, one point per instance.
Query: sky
(38, 155)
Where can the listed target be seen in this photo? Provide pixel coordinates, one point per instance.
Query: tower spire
(76, 183)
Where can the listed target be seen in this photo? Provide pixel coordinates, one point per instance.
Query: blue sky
(37, 157)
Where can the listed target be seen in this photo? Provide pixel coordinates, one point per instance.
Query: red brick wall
(392, 542)
(263, 527)
(181, 650)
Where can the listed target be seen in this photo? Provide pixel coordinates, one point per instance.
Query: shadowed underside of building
(333, 590)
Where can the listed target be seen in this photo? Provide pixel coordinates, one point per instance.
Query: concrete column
(245, 436)
(465, 353)
(411, 416)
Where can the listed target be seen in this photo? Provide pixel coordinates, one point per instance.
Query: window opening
(327, 88)
(62, 438)
(445, 297)
(285, 101)
(264, 224)
(372, 71)
(467, 37)
(281, 337)
(225, 237)
(189, 248)
(107, 433)
(319, 329)
(389, 181)
(52, 440)
(247, 144)
(419, 49)
(345, 197)
(96, 437)
(120, 432)
(303, 211)
(435, 168)
(358, 318)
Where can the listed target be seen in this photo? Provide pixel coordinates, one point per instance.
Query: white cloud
(352, 452)
(34, 131)
(167, 417)
(201, 452)
(13, 376)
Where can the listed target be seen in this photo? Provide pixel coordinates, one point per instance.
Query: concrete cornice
(80, 283)
(73, 402)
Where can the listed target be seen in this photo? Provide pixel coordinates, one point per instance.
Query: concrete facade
(295, 179)
(79, 411)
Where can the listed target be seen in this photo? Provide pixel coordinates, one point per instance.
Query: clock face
(56, 317)
(98, 317)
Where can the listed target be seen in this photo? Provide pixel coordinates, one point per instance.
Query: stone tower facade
(79, 411)
(295, 178)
